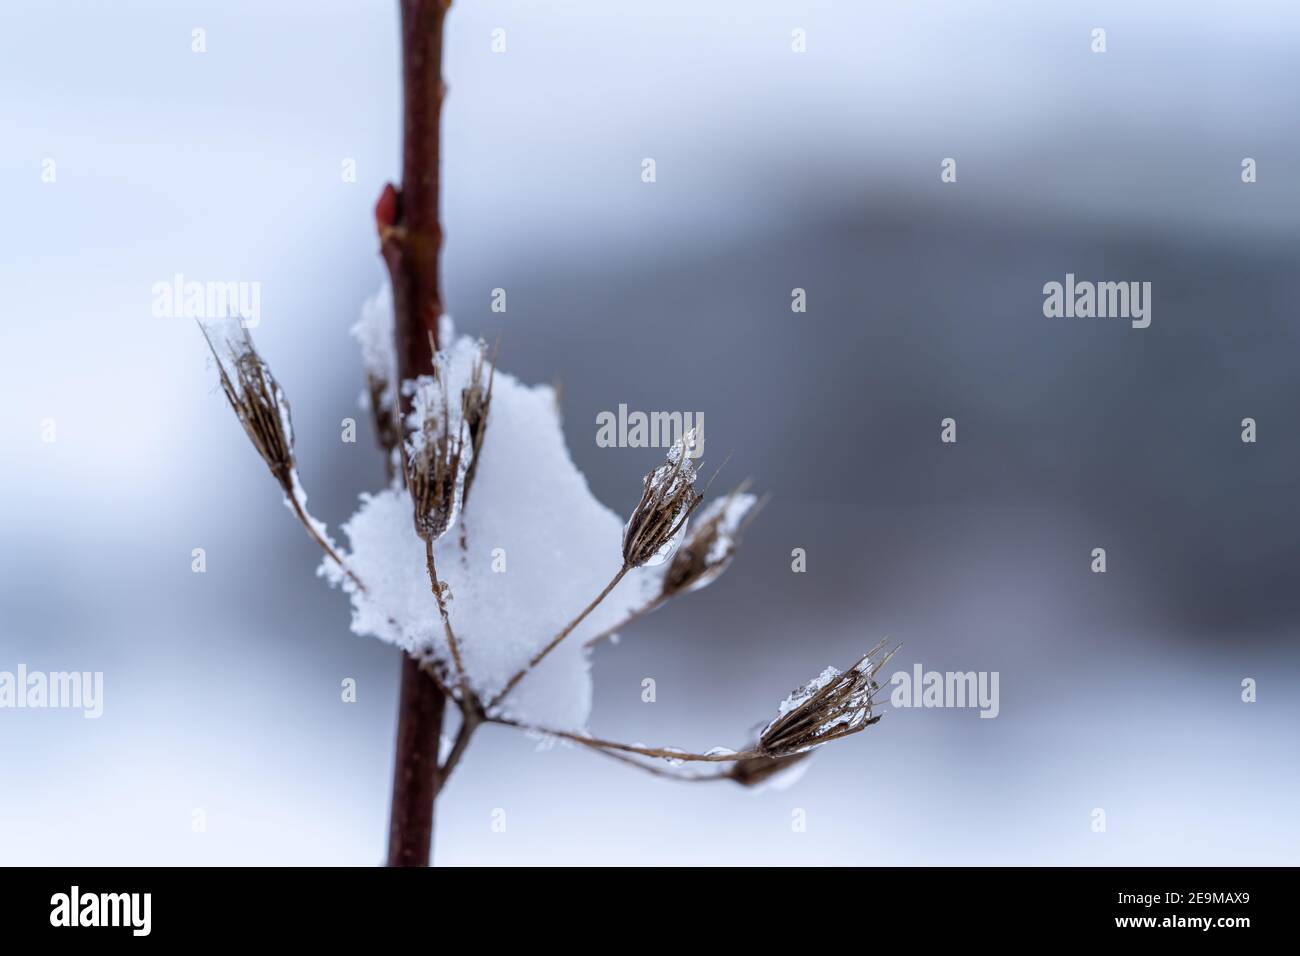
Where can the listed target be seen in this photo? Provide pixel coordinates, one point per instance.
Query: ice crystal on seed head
(540, 546)
(712, 543)
(254, 394)
(832, 705)
(437, 453)
(658, 522)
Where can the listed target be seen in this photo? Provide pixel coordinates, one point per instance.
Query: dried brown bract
(255, 395)
(755, 771)
(710, 544)
(437, 457)
(476, 403)
(668, 498)
(831, 706)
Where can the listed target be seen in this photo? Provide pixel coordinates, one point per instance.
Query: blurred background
(775, 170)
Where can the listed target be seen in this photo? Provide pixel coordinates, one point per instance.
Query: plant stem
(662, 771)
(554, 642)
(410, 242)
(610, 745)
(631, 618)
(324, 544)
(466, 696)
(470, 718)
(415, 773)
(413, 240)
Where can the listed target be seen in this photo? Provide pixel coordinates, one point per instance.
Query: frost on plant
(374, 333)
(832, 705)
(436, 453)
(658, 522)
(714, 537)
(504, 611)
(538, 546)
(262, 408)
(254, 394)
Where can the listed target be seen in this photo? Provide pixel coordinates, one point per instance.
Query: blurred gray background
(775, 170)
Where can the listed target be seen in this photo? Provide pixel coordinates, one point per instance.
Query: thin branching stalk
(630, 619)
(555, 641)
(666, 772)
(470, 720)
(324, 544)
(441, 598)
(596, 743)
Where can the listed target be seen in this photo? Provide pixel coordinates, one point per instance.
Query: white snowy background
(774, 170)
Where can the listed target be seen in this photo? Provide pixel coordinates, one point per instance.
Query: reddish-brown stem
(410, 229)
(410, 239)
(415, 774)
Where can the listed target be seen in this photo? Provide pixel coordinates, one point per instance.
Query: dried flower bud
(828, 707)
(711, 544)
(254, 394)
(436, 455)
(475, 404)
(756, 771)
(659, 521)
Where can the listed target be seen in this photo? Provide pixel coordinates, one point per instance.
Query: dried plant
(262, 408)
(437, 457)
(437, 443)
(834, 705)
(710, 543)
(660, 516)
(476, 403)
(256, 397)
(757, 771)
(831, 706)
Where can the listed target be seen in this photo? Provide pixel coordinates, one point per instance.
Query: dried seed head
(659, 520)
(755, 771)
(254, 394)
(475, 403)
(436, 454)
(828, 707)
(711, 544)
(382, 412)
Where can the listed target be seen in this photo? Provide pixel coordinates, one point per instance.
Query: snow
(560, 547)
(300, 495)
(805, 693)
(374, 332)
